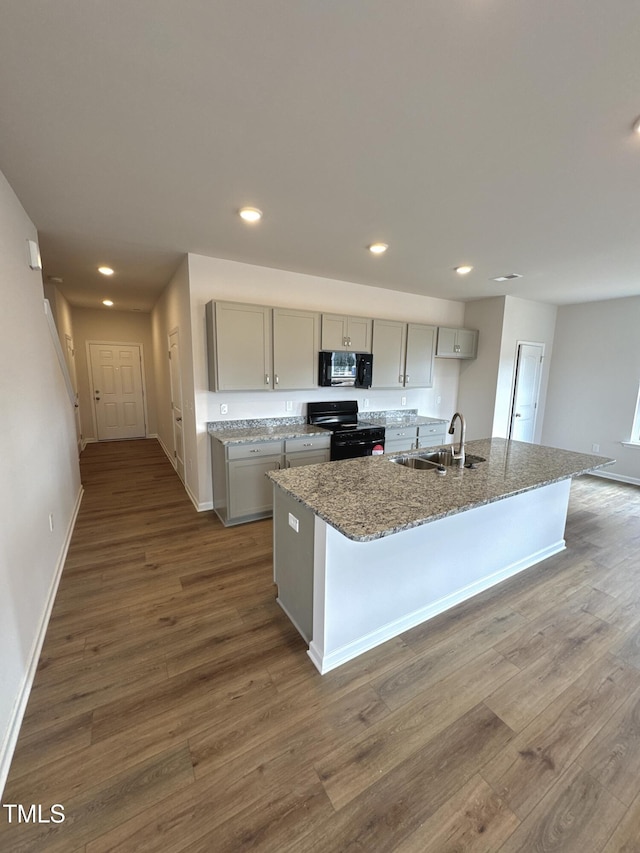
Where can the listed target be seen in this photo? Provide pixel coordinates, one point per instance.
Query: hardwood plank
(537, 685)
(527, 768)
(474, 819)
(576, 815)
(350, 769)
(95, 810)
(613, 756)
(398, 802)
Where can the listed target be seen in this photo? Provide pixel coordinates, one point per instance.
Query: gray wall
(593, 386)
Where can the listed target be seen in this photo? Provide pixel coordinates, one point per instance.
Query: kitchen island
(365, 549)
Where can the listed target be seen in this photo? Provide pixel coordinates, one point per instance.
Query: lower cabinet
(399, 440)
(432, 435)
(241, 490)
(307, 451)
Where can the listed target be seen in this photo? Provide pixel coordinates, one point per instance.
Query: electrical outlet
(403, 401)
(294, 522)
(595, 448)
(223, 408)
(438, 400)
(366, 403)
(289, 406)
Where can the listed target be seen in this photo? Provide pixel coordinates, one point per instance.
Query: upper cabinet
(239, 346)
(296, 341)
(257, 348)
(403, 354)
(346, 333)
(457, 343)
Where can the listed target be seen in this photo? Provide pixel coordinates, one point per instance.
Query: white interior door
(527, 388)
(118, 390)
(176, 401)
(70, 357)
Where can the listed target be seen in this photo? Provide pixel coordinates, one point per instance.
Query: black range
(349, 437)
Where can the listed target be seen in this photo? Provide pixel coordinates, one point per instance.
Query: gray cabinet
(307, 451)
(346, 333)
(296, 341)
(241, 490)
(397, 440)
(239, 346)
(403, 354)
(249, 490)
(257, 348)
(457, 343)
(421, 344)
(431, 435)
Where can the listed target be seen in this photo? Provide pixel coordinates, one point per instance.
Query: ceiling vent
(509, 277)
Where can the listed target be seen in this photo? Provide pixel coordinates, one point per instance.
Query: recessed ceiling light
(107, 302)
(251, 214)
(509, 277)
(378, 248)
(105, 270)
(463, 270)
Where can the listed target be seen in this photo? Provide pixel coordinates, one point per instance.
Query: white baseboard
(621, 478)
(13, 730)
(326, 662)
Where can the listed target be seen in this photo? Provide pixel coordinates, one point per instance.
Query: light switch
(294, 522)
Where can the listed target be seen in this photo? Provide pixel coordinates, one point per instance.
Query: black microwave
(345, 369)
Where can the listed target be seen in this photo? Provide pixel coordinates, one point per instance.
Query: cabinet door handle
(401, 378)
(266, 379)
(406, 378)
(277, 378)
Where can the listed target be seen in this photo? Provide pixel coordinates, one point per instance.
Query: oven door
(350, 447)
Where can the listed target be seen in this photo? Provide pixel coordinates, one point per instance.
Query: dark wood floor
(175, 708)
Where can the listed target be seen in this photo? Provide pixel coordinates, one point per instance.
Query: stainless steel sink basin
(430, 460)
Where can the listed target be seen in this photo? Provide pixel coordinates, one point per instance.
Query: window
(635, 429)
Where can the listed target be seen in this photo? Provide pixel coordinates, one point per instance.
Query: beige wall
(94, 324)
(593, 386)
(171, 312)
(39, 473)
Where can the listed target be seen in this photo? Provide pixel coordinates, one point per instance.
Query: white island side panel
(368, 592)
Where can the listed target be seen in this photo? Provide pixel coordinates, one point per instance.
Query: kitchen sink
(434, 459)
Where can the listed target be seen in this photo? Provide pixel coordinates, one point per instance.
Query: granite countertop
(271, 429)
(274, 429)
(394, 420)
(372, 497)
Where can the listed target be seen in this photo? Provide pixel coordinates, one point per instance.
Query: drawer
(408, 433)
(251, 451)
(426, 430)
(307, 443)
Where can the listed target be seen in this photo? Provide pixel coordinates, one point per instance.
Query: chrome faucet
(459, 456)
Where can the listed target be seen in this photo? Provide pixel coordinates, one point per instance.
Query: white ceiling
(489, 132)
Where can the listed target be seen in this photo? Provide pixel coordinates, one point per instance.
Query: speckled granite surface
(399, 418)
(268, 429)
(369, 498)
